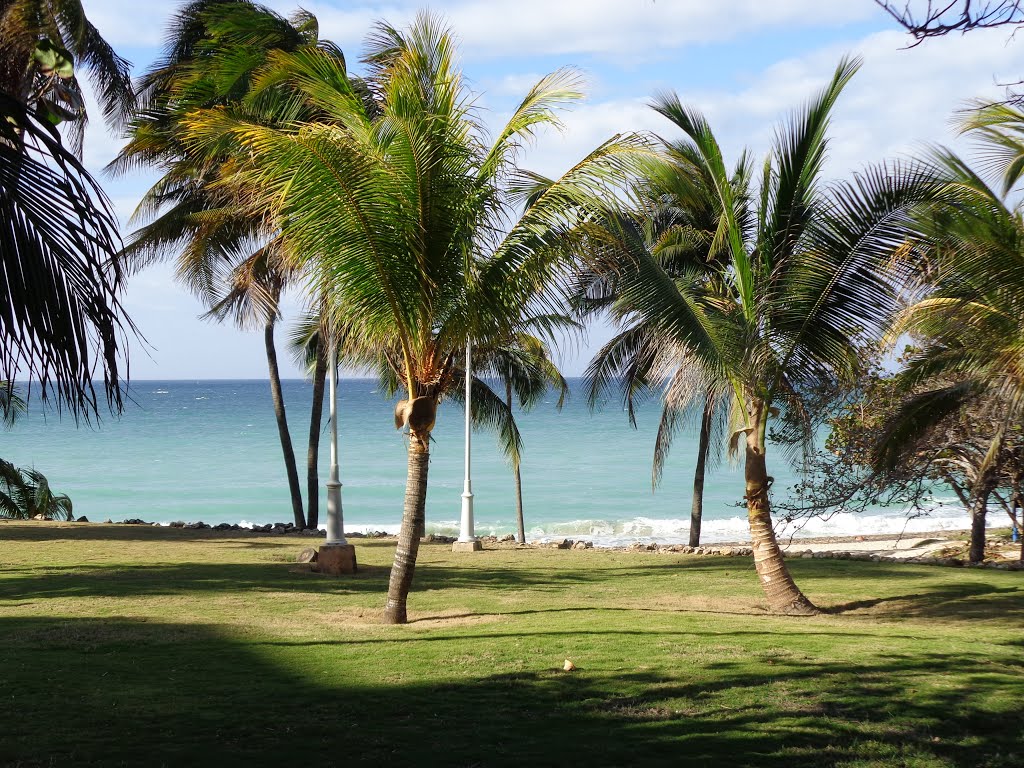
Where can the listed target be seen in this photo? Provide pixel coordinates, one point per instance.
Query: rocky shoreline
(934, 548)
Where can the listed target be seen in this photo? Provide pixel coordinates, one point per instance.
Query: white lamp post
(335, 518)
(468, 542)
(337, 555)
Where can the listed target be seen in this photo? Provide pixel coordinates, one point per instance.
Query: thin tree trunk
(413, 517)
(282, 425)
(782, 592)
(520, 523)
(979, 509)
(961, 494)
(703, 444)
(316, 419)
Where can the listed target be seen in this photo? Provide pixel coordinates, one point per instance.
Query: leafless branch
(940, 18)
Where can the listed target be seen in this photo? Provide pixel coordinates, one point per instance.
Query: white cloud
(493, 28)
(543, 27)
(899, 100)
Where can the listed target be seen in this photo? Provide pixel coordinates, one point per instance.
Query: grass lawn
(126, 645)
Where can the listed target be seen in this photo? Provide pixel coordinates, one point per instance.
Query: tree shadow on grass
(149, 533)
(1003, 601)
(118, 692)
(965, 602)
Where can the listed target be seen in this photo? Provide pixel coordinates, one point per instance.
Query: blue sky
(744, 62)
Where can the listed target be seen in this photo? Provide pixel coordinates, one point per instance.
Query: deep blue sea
(208, 450)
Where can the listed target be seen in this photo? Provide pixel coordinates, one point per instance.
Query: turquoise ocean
(209, 451)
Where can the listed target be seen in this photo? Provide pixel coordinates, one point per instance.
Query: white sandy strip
(905, 548)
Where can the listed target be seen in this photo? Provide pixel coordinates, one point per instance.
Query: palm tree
(41, 42)
(802, 282)
(62, 321)
(676, 227)
(25, 493)
(525, 366)
(408, 222)
(199, 214)
(969, 319)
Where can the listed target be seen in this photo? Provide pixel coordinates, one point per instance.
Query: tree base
(467, 546)
(336, 559)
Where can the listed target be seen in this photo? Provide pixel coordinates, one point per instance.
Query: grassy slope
(123, 645)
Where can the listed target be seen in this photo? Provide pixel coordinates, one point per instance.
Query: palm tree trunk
(282, 424)
(703, 444)
(520, 523)
(782, 592)
(413, 517)
(979, 510)
(316, 418)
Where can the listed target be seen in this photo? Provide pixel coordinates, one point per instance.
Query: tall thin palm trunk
(282, 424)
(316, 418)
(520, 523)
(782, 592)
(703, 445)
(413, 519)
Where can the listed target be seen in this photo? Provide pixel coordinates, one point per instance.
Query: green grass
(141, 646)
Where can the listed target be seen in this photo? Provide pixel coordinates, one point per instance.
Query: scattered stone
(583, 545)
(178, 524)
(568, 666)
(507, 537)
(134, 521)
(82, 519)
(311, 532)
(565, 544)
(308, 555)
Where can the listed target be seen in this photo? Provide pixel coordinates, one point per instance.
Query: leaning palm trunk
(282, 424)
(313, 451)
(413, 519)
(520, 523)
(782, 592)
(703, 444)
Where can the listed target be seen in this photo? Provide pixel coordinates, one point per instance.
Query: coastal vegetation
(421, 237)
(761, 302)
(799, 284)
(742, 291)
(62, 322)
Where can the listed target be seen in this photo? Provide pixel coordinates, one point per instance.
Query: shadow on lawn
(134, 693)
(30, 531)
(951, 601)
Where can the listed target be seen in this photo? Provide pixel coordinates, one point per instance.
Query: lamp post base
(336, 559)
(467, 546)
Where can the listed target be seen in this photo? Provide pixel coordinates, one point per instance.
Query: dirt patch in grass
(705, 604)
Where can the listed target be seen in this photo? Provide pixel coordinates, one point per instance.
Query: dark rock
(312, 532)
(178, 524)
(82, 519)
(563, 544)
(222, 527)
(507, 537)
